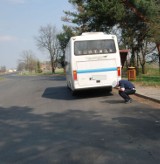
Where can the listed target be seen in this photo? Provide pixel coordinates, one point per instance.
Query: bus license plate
(99, 77)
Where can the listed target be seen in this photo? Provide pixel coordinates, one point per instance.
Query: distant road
(42, 123)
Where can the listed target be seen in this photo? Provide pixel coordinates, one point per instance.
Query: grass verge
(148, 80)
(57, 72)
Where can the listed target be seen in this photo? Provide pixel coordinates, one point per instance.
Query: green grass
(1, 78)
(57, 72)
(151, 78)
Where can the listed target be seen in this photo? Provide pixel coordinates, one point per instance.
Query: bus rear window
(91, 47)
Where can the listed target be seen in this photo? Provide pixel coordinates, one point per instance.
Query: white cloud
(7, 38)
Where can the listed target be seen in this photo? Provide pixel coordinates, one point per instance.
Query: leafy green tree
(63, 38)
(147, 12)
(95, 15)
(136, 28)
(137, 19)
(154, 24)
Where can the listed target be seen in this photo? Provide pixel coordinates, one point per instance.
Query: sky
(20, 21)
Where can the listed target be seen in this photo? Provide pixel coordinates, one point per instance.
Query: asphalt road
(42, 123)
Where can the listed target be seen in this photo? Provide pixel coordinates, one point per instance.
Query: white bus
(92, 60)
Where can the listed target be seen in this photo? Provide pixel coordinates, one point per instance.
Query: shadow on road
(114, 101)
(63, 93)
(75, 136)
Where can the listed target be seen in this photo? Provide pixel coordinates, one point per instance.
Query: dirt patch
(146, 101)
(143, 100)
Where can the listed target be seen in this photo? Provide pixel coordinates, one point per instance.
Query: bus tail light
(119, 71)
(75, 75)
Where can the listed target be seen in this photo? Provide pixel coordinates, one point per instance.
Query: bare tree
(146, 49)
(47, 40)
(27, 61)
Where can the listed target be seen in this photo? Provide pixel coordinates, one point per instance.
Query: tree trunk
(137, 68)
(143, 69)
(52, 65)
(158, 47)
(159, 62)
(133, 62)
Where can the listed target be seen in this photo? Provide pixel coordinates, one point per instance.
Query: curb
(143, 96)
(146, 97)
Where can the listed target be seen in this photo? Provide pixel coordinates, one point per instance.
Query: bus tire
(109, 89)
(68, 86)
(74, 93)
